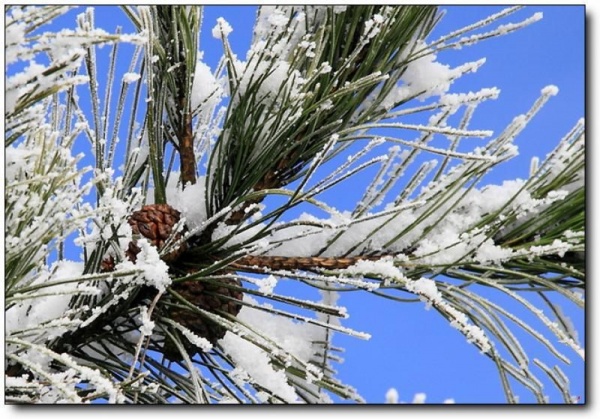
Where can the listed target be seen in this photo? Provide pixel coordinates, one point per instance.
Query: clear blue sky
(412, 349)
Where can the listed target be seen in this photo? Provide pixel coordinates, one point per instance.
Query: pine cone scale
(156, 223)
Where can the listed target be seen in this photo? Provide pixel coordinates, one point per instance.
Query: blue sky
(413, 349)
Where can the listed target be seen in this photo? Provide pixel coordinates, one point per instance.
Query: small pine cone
(211, 297)
(156, 222)
(107, 264)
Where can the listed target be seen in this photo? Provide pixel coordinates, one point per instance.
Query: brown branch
(257, 263)
(185, 135)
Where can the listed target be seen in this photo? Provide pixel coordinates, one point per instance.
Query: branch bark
(257, 263)
(185, 135)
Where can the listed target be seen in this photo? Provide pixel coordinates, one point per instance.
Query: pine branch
(250, 159)
(150, 287)
(180, 25)
(274, 263)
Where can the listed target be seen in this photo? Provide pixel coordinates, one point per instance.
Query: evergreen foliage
(236, 150)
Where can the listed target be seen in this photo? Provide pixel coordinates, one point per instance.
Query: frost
(449, 401)
(197, 341)
(373, 26)
(147, 325)
(489, 252)
(222, 29)
(267, 285)
(155, 271)
(454, 99)
(550, 90)
(419, 398)
(130, 77)
(391, 396)
(278, 18)
(325, 68)
(434, 224)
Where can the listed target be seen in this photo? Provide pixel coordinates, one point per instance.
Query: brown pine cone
(155, 222)
(211, 297)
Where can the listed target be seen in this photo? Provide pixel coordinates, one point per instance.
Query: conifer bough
(157, 223)
(316, 81)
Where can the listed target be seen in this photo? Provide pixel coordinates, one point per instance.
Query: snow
(189, 200)
(278, 18)
(222, 29)
(449, 401)
(489, 252)
(293, 336)
(436, 222)
(272, 78)
(273, 21)
(197, 341)
(426, 289)
(425, 77)
(419, 398)
(267, 285)
(391, 396)
(309, 47)
(155, 272)
(147, 325)
(289, 341)
(550, 90)
(36, 310)
(130, 77)
(382, 268)
(14, 38)
(207, 91)
(256, 363)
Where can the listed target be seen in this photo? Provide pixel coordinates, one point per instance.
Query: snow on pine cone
(209, 296)
(156, 223)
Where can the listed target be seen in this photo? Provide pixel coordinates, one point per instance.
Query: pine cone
(207, 296)
(155, 222)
